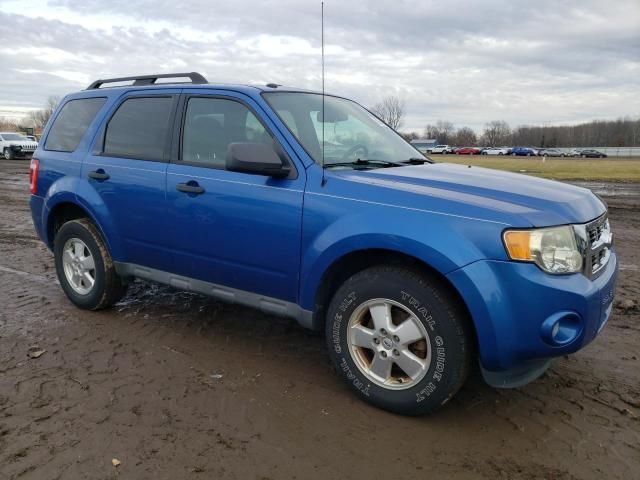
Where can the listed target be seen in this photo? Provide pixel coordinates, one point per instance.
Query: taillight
(33, 175)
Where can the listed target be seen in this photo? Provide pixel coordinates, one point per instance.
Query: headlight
(554, 250)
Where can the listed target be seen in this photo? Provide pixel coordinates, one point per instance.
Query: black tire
(7, 154)
(448, 332)
(108, 287)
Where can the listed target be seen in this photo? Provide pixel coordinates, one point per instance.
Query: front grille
(598, 245)
(595, 232)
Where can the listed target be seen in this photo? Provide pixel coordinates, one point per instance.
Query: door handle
(191, 187)
(98, 175)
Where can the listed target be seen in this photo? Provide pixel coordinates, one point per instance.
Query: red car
(468, 151)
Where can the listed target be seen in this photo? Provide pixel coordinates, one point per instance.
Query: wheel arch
(355, 261)
(71, 209)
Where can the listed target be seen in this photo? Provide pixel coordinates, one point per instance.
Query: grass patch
(605, 169)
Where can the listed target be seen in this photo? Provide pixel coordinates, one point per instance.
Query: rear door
(127, 168)
(242, 230)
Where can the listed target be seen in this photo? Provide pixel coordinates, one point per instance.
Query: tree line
(623, 132)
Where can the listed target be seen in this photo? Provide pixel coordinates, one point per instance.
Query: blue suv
(309, 206)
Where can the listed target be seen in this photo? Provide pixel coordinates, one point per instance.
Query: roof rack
(195, 77)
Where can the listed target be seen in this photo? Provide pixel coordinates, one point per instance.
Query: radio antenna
(324, 180)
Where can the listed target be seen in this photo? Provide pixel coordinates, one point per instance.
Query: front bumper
(19, 152)
(513, 305)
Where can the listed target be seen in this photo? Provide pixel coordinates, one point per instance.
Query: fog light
(561, 328)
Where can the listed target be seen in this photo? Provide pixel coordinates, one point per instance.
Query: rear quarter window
(139, 128)
(71, 123)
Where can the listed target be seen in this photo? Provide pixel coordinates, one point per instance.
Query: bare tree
(446, 131)
(431, 131)
(465, 137)
(42, 116)
(408, 136)
(496, 133)
(9, 124)
(443, 131)
(390, 110)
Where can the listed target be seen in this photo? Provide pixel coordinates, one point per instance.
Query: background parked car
(468, 151)
(440, 149)
(592, 154)
(551, 152)
(495, 151)
(16, 145)
(523, 152)
(575, 152)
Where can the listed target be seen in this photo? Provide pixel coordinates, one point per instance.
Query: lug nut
(396, 353)
(384, 354)
(396, 338)
(383, 331)
(376, 341)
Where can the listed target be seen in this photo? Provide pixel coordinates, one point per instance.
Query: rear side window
(139, 128)
(71, 123)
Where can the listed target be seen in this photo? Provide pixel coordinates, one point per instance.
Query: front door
(234, 229)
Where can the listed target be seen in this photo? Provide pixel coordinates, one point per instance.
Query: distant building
(424, 144)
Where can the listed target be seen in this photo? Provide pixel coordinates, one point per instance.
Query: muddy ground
(176, 385)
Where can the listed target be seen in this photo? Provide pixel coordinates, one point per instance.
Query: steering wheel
(354, 149)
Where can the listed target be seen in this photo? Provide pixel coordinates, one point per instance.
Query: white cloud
(468, 62)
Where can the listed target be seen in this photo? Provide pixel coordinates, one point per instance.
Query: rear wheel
(84, 266)
(399, 339)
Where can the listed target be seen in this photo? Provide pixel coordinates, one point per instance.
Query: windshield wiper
(415, 161)
(366, 162)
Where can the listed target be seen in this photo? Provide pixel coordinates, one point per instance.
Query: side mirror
(256, 158)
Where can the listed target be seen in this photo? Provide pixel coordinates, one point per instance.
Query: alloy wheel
(389, 344)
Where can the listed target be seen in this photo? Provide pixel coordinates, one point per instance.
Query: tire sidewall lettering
(437, 373)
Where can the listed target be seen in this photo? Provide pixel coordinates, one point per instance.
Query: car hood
(489, 194)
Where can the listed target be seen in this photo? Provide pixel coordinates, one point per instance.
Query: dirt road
(175, 385)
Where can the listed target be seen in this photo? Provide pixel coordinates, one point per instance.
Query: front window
(14, 136)
(212, 124)
(350, 132)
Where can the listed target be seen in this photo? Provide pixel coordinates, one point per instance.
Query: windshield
(351, 133)
(13, 136)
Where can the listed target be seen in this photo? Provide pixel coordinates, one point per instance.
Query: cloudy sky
(526, 62)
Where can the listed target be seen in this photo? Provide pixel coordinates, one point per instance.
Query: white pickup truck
(16, 145)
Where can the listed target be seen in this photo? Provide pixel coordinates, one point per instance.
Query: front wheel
(399, 339)
(7, 154)
(84, 266)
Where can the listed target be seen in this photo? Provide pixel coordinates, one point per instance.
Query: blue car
(308, 206)
(523, 152)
